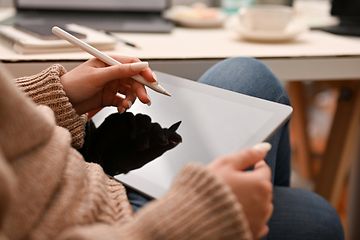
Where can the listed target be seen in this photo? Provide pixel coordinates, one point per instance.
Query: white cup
(266, 17)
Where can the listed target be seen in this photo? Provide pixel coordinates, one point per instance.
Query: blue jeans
(298, 214)
(250, 77)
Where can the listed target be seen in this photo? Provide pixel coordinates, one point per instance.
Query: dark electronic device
(348, 12)
(106, 15)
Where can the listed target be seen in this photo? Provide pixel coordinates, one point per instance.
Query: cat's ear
(175, 126)
(158, 135)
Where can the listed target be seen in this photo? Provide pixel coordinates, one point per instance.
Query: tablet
(214, 122)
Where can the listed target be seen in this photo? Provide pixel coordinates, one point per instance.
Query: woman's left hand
(94, 85)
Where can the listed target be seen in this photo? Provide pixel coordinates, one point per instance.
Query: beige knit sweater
(47, 191)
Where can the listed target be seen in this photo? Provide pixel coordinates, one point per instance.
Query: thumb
(249, 157)
(263, 170)
(119, 71)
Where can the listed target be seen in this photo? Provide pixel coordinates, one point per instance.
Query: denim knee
(251, 77)
(247, 76)
(300, 214)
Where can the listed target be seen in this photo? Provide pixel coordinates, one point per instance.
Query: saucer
(196, 17)
(292, 31)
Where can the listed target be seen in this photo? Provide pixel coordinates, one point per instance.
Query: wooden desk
(314, 56)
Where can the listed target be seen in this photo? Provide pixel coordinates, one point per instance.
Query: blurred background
(315, 109)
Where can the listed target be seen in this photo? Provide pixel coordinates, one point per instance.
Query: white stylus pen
(105, 58)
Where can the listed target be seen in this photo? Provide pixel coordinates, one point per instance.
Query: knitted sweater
(47, 190)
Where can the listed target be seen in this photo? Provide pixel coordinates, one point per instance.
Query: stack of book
(28, 42)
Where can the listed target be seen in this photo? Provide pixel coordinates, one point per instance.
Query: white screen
(113, 5)
(214, 122)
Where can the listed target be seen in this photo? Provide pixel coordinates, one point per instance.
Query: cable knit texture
(47, 191)
(45, 88)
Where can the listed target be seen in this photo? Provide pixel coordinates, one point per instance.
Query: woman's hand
(94, 85)
(252, 188)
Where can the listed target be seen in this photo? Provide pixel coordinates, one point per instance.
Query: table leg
(341, 143)
(296, 90)
(354, 196)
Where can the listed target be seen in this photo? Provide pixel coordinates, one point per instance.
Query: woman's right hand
(93, 84)
(253, 188)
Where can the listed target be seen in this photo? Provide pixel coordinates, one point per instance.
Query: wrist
(45, 88)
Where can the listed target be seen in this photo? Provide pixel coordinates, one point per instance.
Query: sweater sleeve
(45, 88)
(198, 206)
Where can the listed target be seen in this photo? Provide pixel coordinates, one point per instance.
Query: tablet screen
(214, 122)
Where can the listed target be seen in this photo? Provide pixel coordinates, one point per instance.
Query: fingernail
(263, 147)
(129, 104)
(149, 103)
(139, 66)
(122, 110)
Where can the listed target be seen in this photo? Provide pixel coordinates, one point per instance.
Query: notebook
(26, 43)
(214, 122)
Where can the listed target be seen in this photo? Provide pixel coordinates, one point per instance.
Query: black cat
(124, 142)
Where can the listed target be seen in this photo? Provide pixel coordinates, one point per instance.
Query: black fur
(124, 142)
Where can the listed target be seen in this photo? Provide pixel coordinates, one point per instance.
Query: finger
(125, 59)
(149, 75)
(269, 212)
(118, 102)
(262, 148)
(129, 99)
(108, 74)
(261, 164)
(122, 87)
(128, 94)
(141, 93)
(124, 83)
(249, 157)
(242, 160)
(263, 170)
(95, 62)
(126, 104)
(264, 231)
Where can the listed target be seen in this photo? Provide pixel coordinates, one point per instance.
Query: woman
(49, 192)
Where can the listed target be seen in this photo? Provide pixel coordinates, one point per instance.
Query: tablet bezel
(280, 114)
